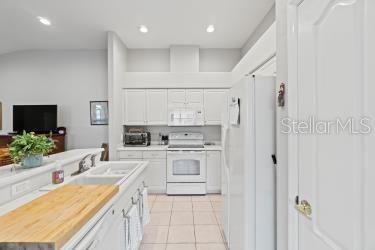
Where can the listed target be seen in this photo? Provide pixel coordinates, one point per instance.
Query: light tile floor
(184, 223)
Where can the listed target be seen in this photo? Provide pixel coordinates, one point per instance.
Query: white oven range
(186, 164)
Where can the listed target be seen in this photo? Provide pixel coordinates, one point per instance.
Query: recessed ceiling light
(210, 28)
(143, 29)
(44, 21)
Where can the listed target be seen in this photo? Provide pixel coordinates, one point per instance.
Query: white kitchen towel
(146, 209)
(140, 213)
(126, 231)
(135, 227)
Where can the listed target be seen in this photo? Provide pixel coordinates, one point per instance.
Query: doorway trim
(293, 170)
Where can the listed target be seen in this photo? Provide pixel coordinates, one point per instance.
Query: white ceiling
(82, 24)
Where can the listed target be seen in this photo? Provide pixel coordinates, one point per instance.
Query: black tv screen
(34, 118)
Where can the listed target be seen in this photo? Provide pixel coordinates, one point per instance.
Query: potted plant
(29, 149)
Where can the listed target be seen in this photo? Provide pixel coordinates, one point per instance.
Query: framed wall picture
(99, 112)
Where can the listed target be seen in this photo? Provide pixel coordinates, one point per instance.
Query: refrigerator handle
(225, 149)
(274, 160)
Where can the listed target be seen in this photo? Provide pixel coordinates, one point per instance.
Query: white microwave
(186, 116)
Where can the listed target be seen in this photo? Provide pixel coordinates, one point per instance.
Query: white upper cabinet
(150, 106)
(145, 107)
(134, 106)
(176, 97)
(157, 106)
(194, 97)
(213, 104)
(185, 97)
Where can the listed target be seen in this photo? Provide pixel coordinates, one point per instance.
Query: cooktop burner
(185, 146)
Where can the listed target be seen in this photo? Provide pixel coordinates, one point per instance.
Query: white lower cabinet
(109, 230)
(156, 175)
(156, 170)
(102, 235)
(213, 165)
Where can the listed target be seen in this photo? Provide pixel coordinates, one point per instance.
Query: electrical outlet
(20, 187)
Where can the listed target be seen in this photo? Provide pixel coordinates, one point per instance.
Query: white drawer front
(130, 154)
(154, 154)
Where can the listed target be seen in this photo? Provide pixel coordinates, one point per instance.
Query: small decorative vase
(32, 161)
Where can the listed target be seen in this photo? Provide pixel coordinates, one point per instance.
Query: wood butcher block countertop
(55, 217)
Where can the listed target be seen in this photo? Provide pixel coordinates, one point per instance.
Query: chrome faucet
(82, 166)
(93, 157)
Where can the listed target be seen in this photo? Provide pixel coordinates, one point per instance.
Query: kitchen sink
(108, 173)
(116, 168)
(94, 180)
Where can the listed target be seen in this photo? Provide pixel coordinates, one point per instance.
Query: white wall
(117, 58)
(184, 58)
(218, 60)
(262, 51)
(148, 60)
(158, 60)
(267, 21)
(70, 79)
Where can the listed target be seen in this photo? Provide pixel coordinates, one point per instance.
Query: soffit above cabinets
(176, 80)
(84, 24)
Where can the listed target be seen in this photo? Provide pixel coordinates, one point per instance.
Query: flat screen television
(34, 118)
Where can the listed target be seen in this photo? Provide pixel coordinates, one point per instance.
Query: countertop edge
(165, 148)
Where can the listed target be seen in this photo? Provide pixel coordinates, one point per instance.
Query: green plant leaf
(29, 144)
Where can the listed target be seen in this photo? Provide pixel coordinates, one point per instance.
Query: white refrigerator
(249, 216)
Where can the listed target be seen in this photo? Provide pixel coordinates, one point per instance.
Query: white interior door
(333, 80)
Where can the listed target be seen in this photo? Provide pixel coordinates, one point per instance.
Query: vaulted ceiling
(82, 24)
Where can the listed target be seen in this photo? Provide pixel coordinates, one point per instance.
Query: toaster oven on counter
(139, 139)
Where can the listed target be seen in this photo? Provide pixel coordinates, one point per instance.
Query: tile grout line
(169, 224)
(195, 235)
(213, 212)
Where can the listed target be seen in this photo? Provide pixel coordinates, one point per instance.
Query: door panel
(213, 105)
(134, 101)
(331, 86)
(177, 97)
(157, 106)
(194, 96)
(213, 171)
(156, 174)
(369, 141)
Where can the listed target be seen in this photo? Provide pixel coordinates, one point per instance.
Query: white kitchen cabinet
(156, 106)
(134, 107)
(185, 97)
(213, 164)
(145, 107)
(103, 235)
(194, 97)
(156, 175)
(213, 105)
(177, 97)
(156, 170)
